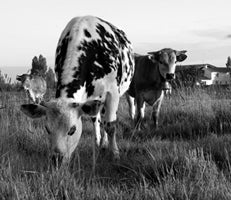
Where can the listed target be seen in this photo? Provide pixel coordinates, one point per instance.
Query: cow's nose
(56, 160)
(169, 76)
(56, 150)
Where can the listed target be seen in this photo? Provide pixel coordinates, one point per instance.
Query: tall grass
(188, 157)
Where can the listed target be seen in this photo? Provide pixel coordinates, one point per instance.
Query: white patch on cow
(81, 95)
(97, 129)
(142, 109)
(131, 106)
(97, 64)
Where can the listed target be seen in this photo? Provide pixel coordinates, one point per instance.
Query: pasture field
(188, 157)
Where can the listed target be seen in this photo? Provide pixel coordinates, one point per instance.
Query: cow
(94, 66)
(151, 78)
(34, 85)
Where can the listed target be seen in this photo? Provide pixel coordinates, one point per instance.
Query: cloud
(214, 33)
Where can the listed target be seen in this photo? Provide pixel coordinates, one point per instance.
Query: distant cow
(94, 66)
(152, 73)
(34, 85)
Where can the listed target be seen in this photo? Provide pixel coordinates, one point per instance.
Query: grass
(188, 157)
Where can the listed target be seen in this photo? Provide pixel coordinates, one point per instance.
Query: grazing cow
(94, 66)
(34, 85)
(150, 80)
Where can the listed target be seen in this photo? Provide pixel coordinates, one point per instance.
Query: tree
(188, 77)
(50, 78)
(228, 64)
(39, 66)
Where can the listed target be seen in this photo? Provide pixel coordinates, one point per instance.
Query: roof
(212, 68)
(219, 69)
(185, 67)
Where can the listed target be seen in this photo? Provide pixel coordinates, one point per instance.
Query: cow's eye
(47, 129)
(72, 130)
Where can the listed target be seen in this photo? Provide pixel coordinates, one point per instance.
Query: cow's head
(62, 122)
(22, 78)
(167, 59)
(25, 80)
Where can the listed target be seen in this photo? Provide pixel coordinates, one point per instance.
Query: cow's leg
(111, 106)
(140, 111)
(37, 100)
(131, 106)
(104, 136)
(28, 96)
(96, 138)
(156, 109)
(32, 96)
(96, 122)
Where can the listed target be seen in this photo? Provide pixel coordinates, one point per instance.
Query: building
(216, 75)
(207, 74)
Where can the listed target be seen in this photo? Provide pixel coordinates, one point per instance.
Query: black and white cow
(94, 66)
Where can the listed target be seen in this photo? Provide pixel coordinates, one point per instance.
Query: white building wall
(207, 82)
(217, 78)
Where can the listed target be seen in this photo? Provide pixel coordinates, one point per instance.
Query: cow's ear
(154, 55)
(181, 56)
(91, 107)
(33, 110)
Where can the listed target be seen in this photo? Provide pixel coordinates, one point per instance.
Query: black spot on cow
(90, 89)
(129, 58)
(122, 55)
(87, 34)
(86, 108)
(93, 119)
(79, 48)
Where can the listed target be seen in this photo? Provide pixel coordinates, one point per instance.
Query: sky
(32, 27)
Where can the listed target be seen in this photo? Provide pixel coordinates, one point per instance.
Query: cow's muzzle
(170, 76)
(18, 78)
(56, 160)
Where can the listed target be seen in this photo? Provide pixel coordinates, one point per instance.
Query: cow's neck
(79, 95)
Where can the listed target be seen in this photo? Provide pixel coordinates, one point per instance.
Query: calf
(94, 66)
(34, 85)
(152, 73)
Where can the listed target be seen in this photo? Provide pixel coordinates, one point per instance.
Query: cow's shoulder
(144, 65)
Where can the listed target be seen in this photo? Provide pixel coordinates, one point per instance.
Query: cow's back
(92, 57)
(146, 76)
